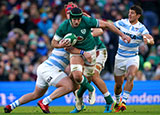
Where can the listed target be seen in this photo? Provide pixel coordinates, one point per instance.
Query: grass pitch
(90, 110)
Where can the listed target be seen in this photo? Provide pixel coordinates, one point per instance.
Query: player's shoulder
(122, 22)
(65, 22)
(140, 24)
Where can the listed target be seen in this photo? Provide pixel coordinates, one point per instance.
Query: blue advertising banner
(144, 93)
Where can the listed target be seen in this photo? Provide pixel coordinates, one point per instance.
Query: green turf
(90, 110)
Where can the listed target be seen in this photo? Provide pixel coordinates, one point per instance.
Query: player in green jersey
(81, 26)
(101, 57)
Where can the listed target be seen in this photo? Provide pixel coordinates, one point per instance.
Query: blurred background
(27, 28)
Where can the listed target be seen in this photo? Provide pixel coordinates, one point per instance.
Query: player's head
(134, 13)
(68, 8)
(76, 16)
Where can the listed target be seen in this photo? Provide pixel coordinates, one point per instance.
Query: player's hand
(145, 39)
(64, 43)
(88, 57)
(126, 38)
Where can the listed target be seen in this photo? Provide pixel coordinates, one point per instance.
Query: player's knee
(89, 71)
(77, 76)
(95, 78)
(118, 86)
(130, 78)
(76, 70)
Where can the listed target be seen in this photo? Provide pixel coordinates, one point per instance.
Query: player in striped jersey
(50, 73)
(127, 59)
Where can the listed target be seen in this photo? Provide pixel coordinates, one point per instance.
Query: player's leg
(38, 92)
(40, 89)
(102, 87)
(131, 71)
(117, 91)
(119, 72)
(77, 69)
(89, 69)
(132, 67)
(60, 80)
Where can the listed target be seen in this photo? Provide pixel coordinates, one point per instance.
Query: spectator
(3, 72)
(12, 76)
(4, 26)
(45, 24)
(26, 77)
(156, 35)
(157, 73)
(140, 76)
(147, 70)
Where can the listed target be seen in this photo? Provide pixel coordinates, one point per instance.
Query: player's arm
(148, 39)
(74, 50)
(111, 27)
(97, 32)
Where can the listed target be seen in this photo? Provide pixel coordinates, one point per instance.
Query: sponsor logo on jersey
(80, 38)
(49, 79)
(83, 31)
(136, 29)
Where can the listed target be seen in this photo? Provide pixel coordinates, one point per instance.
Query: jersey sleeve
(91, 22)
(60, 32)
(144, 30)
(118, 23)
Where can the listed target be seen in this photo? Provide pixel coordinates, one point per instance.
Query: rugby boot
(79, 101)
(109, 108)
(92, 96)
(77, 111)
(117, 107)
(7, 109)
(123, 107)
(44, 108)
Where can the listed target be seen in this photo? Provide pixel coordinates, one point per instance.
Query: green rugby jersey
(85, 41)
(99, 44)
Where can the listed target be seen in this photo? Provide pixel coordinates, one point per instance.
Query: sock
(15, 104)
(81, 90)
(47, 100)
(108, 98)
(85, 83)
(125, 96)
(118, 98)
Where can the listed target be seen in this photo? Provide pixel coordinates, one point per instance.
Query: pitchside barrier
(144, 93)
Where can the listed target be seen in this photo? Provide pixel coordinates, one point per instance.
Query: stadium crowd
(27, 27)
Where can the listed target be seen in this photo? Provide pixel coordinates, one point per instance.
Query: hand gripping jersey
(135, 32)
(83, 32)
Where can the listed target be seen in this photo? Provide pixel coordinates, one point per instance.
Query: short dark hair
(137, 9)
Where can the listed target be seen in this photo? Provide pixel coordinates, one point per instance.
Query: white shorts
(48, 75)
(122, 64)
(101, 57)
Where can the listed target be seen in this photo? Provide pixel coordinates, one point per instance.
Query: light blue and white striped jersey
(59, 57)
(135, 32)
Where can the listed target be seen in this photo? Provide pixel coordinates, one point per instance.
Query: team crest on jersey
(136, 29)
(80, 38)
(83, 31)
